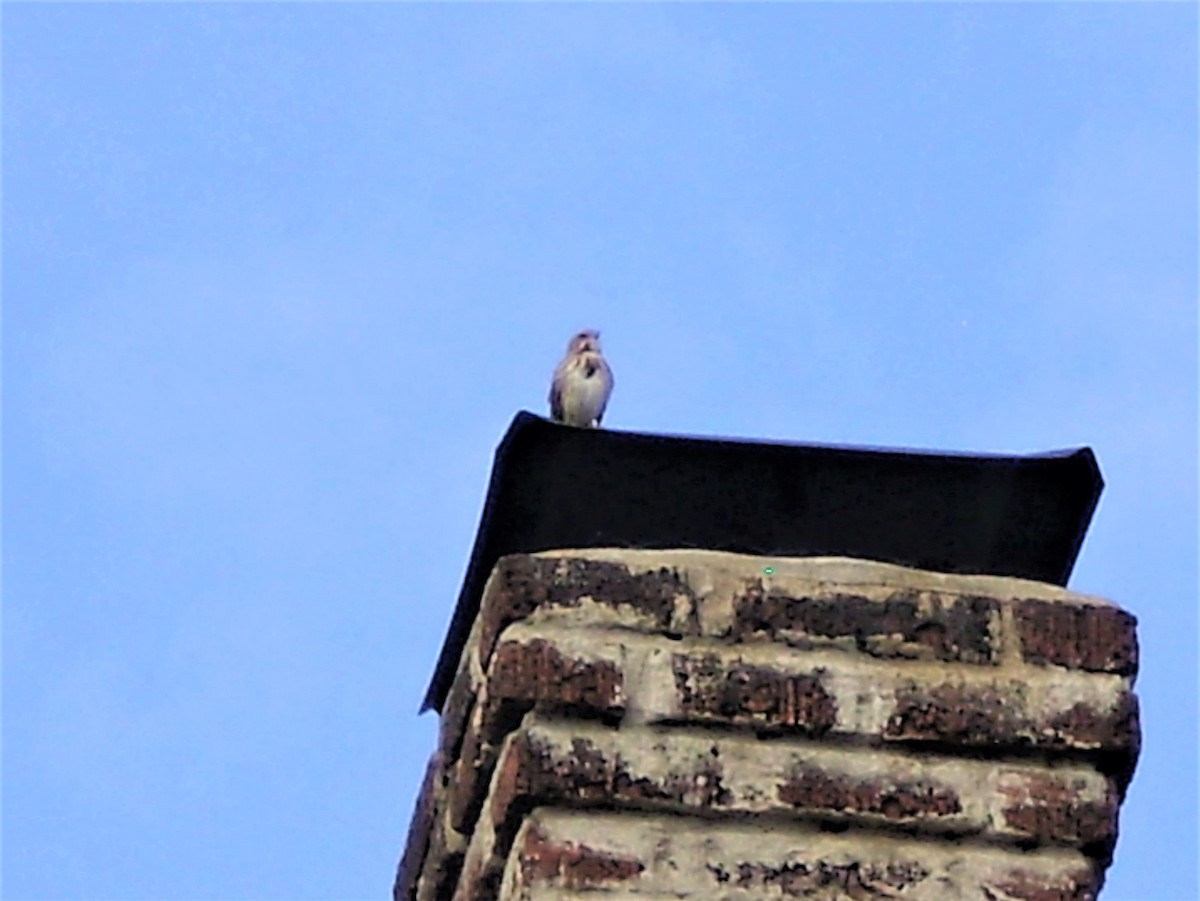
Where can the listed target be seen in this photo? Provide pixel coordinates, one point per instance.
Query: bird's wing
(607, 375)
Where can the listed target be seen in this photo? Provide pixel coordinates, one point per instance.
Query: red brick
(531, 774)
(417, 845)
(1117, 729)
(689, 857)
(956, 714)
(524, 675)
(1117, 732)
(439, 872)
(815, 790)
(907, 623)
(538, 673)
(983, 757)
(474, 883)
(1023, 885)
(521, 584)
(707, 689)
(574, 866)
(513, 788)
(806, 879)
(1048, 809)
(984, 716)
(456, 710)
(1089, 637)
(468, 782)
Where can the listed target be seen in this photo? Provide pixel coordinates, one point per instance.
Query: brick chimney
(659, 723)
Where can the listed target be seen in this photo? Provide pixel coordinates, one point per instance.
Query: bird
(582, 383)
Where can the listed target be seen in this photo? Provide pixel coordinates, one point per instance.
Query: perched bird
(582, 383)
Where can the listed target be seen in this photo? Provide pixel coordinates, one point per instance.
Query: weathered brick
(419, 831)
(522, 583)
(774, 689)
(995, 716)
(709, 689)
(683, 857)
(649, 770)
(468, 781)
(514, 787)
(813, 789)
(570, 864)
(1117, 733)
(1081, 884)
(455, 713)
(1090, 637)
(975, 741)
(523, 674)
(442, 865)
(531, 772)
(536, 672)
(957, 714)
(810, 879)
(905, 624)
(474, 882)
(1049, 809)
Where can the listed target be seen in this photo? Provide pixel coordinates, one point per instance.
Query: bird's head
(587, 341)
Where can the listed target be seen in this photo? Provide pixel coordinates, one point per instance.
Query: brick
(956, 714)
(1118, 728)
(775, 689)
(709, 689)
(1117, 733)
(1090, 637)
(997, 716)
(571, 864)
(904, 624)
(442, 866)
(468, 782)
(808, 879)
(688, 724)
(682, 857)
(652, 770)
(544, 666)
(524, 674)
(814, 789)
(537, 672)
(587, 773)
(475, 882)
(459, 702)
(419, 831)
(1048, 809)
(1081, 884)
(521, 583)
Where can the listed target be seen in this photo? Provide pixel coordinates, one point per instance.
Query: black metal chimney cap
(555, 486)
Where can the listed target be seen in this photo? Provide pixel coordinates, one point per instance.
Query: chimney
(685, 668)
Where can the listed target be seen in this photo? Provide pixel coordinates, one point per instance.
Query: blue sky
(276, 277)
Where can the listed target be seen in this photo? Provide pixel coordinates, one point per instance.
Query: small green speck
(769, 570)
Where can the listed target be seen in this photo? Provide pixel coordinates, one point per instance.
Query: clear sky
(276, 277)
